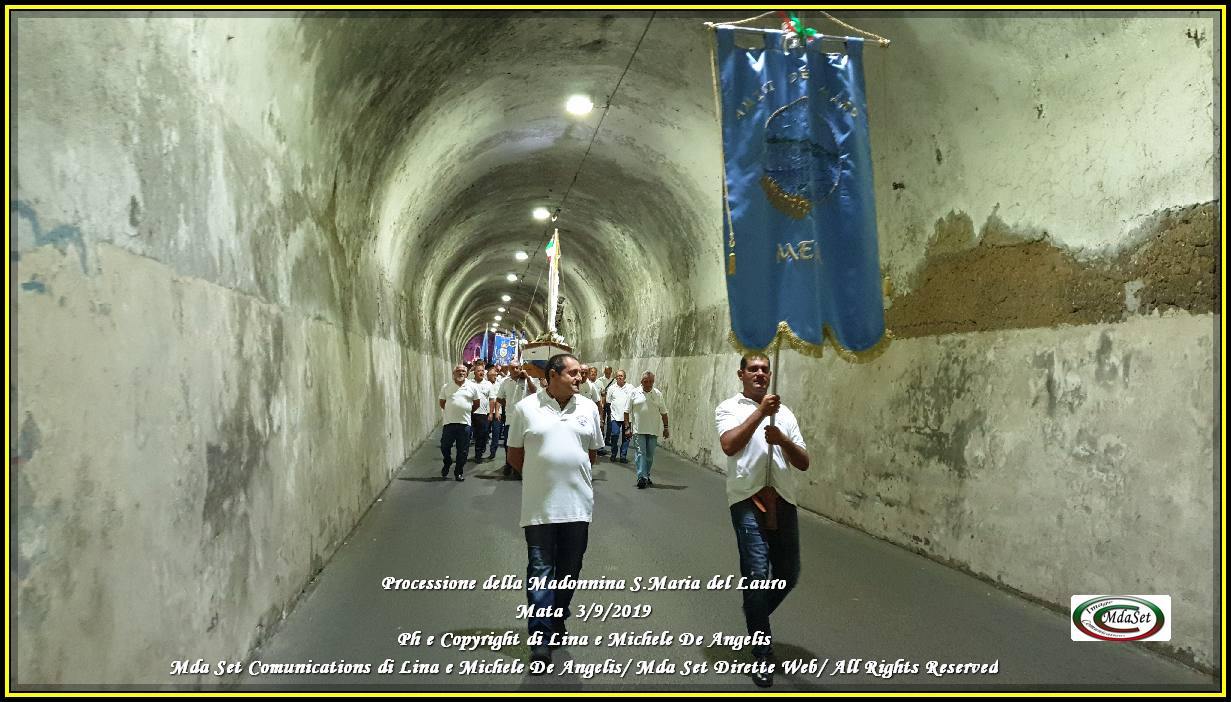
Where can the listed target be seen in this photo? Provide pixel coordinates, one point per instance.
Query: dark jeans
(606, 419)
(553, 551)
(497, 436)
(617, 439)
(481, 429)
(455, 435)
(765, 553)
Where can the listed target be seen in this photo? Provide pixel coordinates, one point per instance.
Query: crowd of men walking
(475, 408)
(555, 427)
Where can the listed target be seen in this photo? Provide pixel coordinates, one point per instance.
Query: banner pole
(769, 505)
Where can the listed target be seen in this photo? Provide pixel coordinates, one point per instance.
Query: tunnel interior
(246, 249)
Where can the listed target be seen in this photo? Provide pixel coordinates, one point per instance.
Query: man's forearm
(797, 456)
(734, 440)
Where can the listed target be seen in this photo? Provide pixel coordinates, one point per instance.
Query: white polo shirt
(747, 470)
(496, 385)
(557, 484)
(618, 398)
(458, 400)
(512, 391)
(646, 410)
(485, 395)
(590, 390)
(602, 384)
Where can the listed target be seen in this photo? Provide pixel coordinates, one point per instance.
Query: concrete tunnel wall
(247, 250)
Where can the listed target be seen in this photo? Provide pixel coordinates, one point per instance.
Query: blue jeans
(765, 553)
(616, 438)
(644, 445)
(553, 552)
(497, 436)
(455, 435)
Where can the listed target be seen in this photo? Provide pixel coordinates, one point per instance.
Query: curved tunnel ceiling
(456, 130)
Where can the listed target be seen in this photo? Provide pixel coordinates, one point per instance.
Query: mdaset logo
(1121, 617)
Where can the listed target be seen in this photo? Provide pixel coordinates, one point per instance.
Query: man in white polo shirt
(553, 436)
(458, 399)
(480, 424)
(604, 409)
(761, 497)
(513, 390)
(645, 407)
(587, 388)
(495, 415)
(618, 395)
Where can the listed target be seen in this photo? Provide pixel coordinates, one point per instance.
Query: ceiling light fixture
(579, 105)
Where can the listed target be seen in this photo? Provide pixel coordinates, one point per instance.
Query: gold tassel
(787, 336)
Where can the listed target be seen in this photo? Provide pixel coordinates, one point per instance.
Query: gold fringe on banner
(788, 337)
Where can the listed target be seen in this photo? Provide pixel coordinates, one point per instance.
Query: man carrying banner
(801, 262)
(761, 491)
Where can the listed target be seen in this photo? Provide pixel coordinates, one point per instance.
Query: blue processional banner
(505, 350)
(799, 227)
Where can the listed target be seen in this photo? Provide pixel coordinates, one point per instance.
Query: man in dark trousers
(761, 496)
(553, 436)
(458, 399)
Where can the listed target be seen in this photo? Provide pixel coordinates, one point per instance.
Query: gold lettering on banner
(845, 105)
(803, 251)
(750, 102)
(806, 252)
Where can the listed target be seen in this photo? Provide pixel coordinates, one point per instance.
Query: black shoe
(539, 654)
(458, 477)
(762, 679)
(641, 483)
(444, 472)
(492, 457)
(649, 483)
